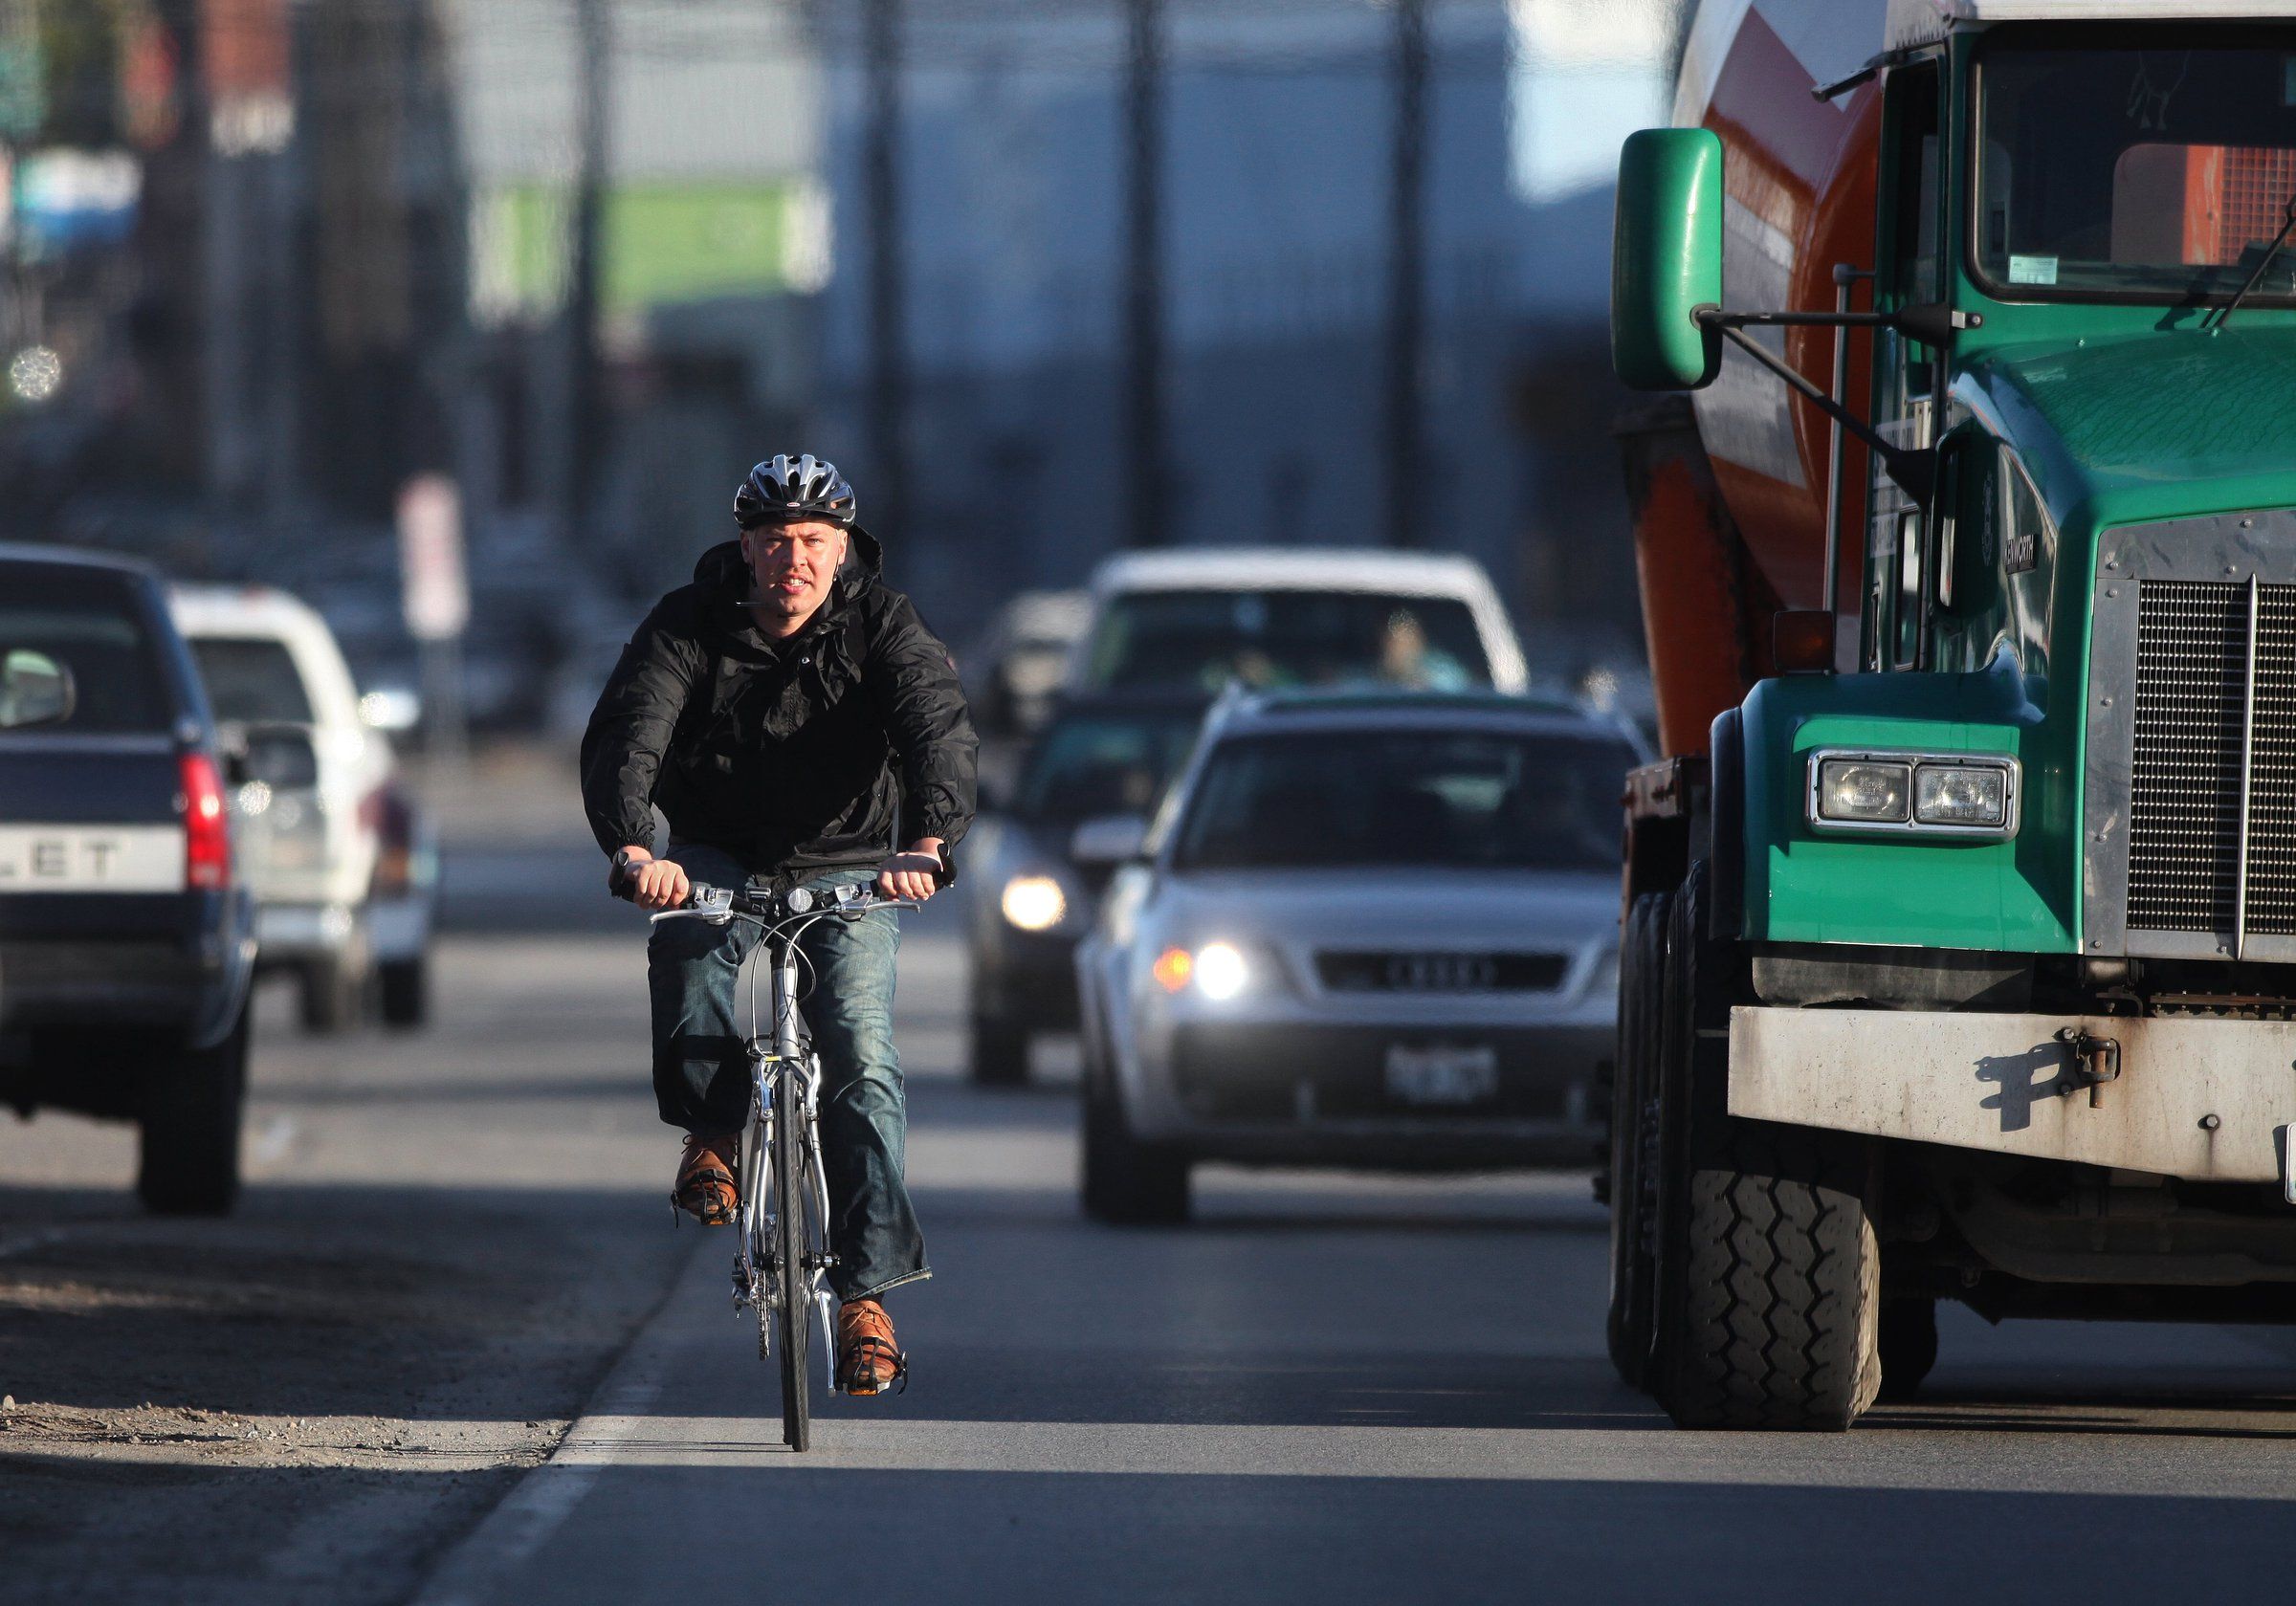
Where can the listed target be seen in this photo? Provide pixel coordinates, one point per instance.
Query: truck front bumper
(2204, 1099)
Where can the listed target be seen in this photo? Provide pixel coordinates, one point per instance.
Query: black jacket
(789, 755)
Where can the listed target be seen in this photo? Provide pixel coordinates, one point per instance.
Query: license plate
(91, 859)
(1443, 1074)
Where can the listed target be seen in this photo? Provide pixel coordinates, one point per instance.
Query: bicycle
(781, 1257)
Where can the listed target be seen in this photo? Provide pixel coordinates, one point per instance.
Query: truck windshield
(2144, 173)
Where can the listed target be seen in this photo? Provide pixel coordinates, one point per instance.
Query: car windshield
(89, 624)
(1105, 764)
(1204, 639)
(1465, 799)
(251, 679)
(2152, 173)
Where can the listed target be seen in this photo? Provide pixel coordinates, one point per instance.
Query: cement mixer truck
(1959, 959)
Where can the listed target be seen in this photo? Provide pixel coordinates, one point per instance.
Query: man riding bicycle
(788, 712)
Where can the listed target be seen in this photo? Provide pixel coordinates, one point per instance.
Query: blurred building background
(1046, 279)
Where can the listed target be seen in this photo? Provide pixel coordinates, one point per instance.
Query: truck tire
(1770, 1315)
(405, 989)
(998, 1053)
(1125, 1181)
(1908, 1345)
(189, 1129)
(1767, 1300)
(1632, 1120)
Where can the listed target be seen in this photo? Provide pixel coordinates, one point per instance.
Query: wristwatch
(622, 863)
(948, 864)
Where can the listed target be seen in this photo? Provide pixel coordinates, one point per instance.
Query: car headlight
(1218, 970)
(1947, 793)
(1034, 903)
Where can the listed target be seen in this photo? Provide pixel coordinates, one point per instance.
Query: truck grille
(2211, 805)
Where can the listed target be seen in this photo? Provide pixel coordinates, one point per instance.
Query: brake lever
(712, 904)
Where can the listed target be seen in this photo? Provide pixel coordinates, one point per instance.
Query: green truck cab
(1960, 963)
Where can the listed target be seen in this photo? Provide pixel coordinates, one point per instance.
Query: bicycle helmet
(783, 488)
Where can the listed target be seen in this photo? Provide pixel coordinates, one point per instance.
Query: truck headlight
(1960, 795)
(1034, 903)
(1867, 790)
(1941, 794)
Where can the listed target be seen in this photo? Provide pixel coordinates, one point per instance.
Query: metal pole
(1406, 281)
(1144, 441)
(888, 470)
(586, 422)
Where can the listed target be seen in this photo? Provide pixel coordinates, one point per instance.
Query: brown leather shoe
(706, 1189)
(868, 1361)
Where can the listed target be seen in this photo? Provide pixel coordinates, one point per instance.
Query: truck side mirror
(1666, 260)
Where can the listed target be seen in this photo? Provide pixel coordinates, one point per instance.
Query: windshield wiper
(2287, 225)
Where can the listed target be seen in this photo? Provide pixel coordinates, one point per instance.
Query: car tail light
(206, 833)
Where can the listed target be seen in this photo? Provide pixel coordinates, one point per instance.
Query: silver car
(1364, 930)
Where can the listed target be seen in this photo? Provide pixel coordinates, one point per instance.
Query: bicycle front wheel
(793, 1309)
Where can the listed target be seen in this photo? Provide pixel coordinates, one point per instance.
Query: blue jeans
(701, 1073)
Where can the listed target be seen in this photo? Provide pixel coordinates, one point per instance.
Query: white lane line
(473, 1571)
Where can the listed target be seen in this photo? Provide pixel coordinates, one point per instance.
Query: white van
(1197, 618)
(336, 854)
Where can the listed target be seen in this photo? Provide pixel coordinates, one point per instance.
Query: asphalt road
(1326, 1389)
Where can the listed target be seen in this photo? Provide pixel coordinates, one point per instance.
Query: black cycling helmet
(784, 488)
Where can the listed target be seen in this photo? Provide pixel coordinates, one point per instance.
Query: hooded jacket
(790, 755)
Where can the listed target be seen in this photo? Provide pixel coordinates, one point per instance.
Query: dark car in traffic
(126, 942)
(1104, 756)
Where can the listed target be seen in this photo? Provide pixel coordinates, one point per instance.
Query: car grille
(1404, 972)
(2212, 807)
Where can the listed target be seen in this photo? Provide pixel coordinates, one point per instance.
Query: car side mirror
(1666, 260)
(1108, 839)
(35, 689)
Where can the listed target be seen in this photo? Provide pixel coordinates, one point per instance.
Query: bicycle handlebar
(720, 904)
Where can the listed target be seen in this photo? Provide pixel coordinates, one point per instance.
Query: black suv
(125, 941)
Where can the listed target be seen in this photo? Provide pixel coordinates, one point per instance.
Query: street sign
(435, 592)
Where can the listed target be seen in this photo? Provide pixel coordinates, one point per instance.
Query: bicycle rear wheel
(792, 1309)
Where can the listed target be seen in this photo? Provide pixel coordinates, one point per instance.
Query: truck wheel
(189, 1129)
(1769, 1317)
(1768, 1295)
(1908, 1345)
(405, 985)
(998, 1053)
(1632, 1117)
(1126, 1182)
